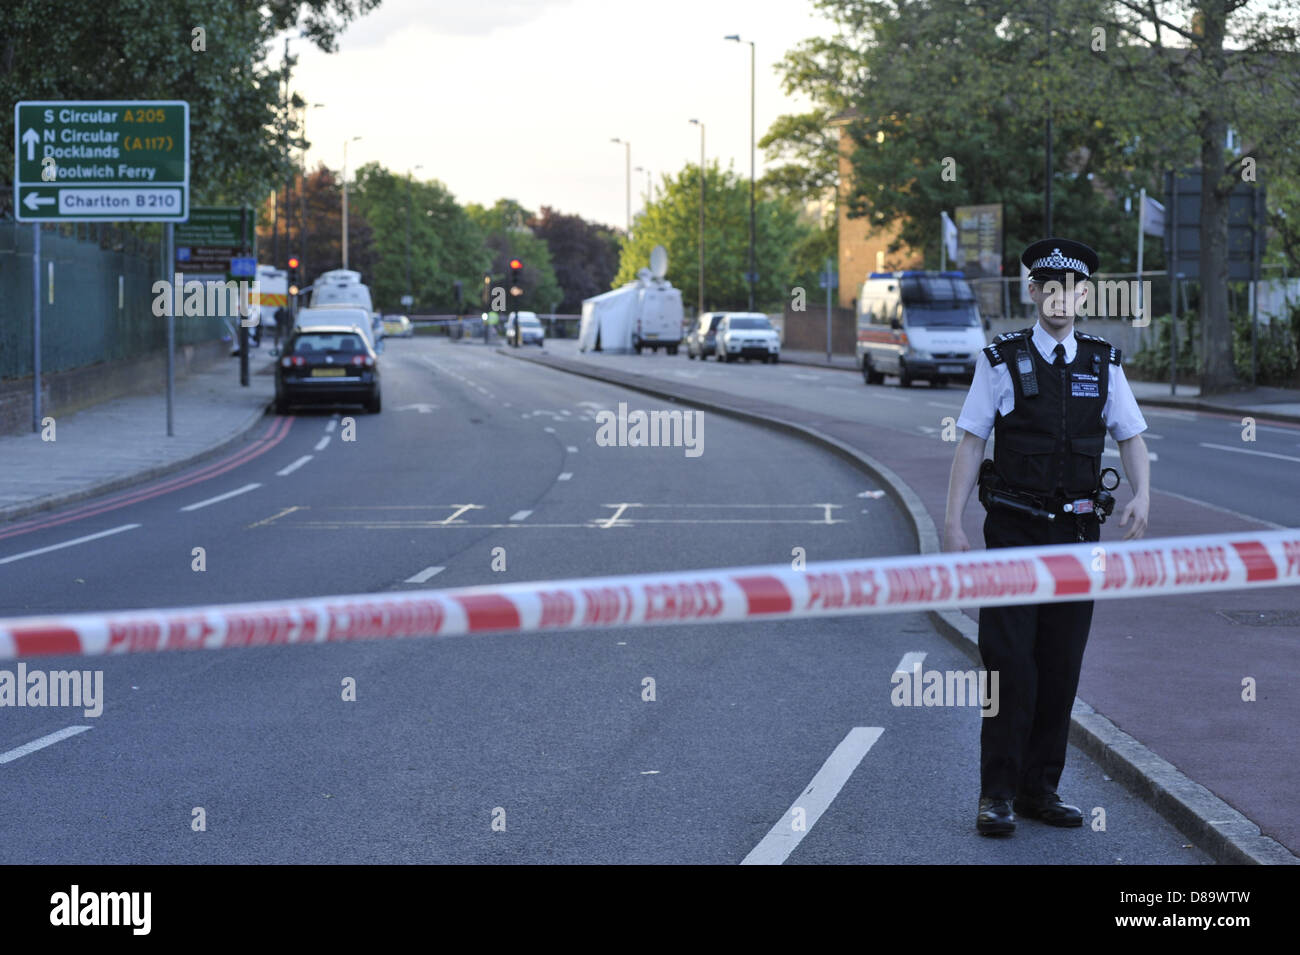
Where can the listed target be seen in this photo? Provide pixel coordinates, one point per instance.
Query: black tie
(1059, 351)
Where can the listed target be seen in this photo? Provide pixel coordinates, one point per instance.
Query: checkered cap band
(1060, 263)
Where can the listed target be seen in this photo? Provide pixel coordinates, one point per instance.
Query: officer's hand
(1137, 512)
(954, 539)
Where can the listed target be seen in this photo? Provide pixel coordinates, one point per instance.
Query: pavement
(124, 441)
(1270, 404)
(1157, 676)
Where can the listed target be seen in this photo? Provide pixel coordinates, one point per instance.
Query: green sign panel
(95, 161)
(214, 240)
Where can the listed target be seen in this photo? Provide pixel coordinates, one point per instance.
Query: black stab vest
(1051, 443)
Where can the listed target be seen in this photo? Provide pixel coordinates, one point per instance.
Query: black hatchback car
(327, 364)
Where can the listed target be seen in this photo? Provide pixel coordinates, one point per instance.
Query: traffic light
(515, 268)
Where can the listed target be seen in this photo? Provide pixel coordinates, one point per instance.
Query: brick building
(862, 249)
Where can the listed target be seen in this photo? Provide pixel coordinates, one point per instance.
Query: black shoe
(995, 817)
(1049, 809)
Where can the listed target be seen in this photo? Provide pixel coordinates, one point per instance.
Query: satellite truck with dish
(645, 313)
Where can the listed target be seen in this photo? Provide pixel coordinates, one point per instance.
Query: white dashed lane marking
(909, 661)
(222, 497)
(285, 472)
(1262, 454)
(519, 516)
(320, 445)
(425, 574)
(41, 743)
(785, 837)
(78, 540)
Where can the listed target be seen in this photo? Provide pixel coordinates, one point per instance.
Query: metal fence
(96, 298)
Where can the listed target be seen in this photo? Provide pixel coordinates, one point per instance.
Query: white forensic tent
(608, 319)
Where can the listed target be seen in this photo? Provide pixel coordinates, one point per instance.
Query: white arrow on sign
(30, 139)
(423, 409)
(32, 201)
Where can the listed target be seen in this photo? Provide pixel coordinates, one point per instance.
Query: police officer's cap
(1052, 258)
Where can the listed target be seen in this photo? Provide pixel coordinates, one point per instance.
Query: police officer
(281, 323)
(1049, 395)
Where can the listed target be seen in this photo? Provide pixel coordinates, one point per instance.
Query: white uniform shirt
(991, 391)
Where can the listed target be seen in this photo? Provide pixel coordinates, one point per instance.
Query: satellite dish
(659, 261)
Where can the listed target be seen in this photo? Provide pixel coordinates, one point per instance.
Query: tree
(933, 127)
(445, 244)
(62, 49)
(508, 236)
(673, 222)
(316, 232)
(803, 154)
(1228, 65)
(803, 151)
(1284, 221)
(584, 255)
(917, 79)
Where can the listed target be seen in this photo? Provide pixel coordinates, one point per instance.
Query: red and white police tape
(1175, 565)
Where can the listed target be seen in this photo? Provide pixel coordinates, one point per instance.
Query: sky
(520, 98)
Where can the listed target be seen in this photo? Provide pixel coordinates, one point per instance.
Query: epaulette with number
(1116, 355)
(996, 352)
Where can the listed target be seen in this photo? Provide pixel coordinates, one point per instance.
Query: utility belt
(994, 492)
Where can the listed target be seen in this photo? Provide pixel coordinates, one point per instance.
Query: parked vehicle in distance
(746, 335)
(918, 325)
(327, 364)
(272, 293)
(523, 328)
(341, 287)
(644, 313)
(658, 321)
(348, 317)
(398, 326)
(700, 340)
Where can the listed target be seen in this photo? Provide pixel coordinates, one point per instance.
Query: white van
(918, 325)
(658, 322)
(338, 315)
(343, 287)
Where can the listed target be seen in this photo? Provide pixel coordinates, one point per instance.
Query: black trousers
(1038, 652)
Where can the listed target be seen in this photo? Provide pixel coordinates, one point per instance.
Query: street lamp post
(1047, 131)
(753, 274)
(302, 203)
(647, 183)
(408, 227)
(628, 166)
(700, 307)
(345, 198)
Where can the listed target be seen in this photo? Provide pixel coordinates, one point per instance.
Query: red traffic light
(293, 261)
(516, 264)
